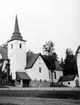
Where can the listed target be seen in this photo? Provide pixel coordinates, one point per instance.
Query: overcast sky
(41, 21)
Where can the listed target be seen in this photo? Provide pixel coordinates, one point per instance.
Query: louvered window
(11, 46)
(20, 45)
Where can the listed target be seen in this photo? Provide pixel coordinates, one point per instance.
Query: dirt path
(38, 101)
(42, 88)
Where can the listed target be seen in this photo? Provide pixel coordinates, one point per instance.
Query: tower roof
(16, 34)
(16, 28)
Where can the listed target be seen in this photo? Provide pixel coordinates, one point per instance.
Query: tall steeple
(17, 51)
(16, 33)
(16, 28)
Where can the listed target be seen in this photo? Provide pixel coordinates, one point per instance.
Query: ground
(39, 96)
(36, 101)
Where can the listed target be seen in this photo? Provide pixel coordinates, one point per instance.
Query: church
(27, 68)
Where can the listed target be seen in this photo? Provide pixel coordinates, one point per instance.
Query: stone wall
(39, 84)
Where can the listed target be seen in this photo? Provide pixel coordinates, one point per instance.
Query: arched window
(40, 69)
(55, 75)
(69, 83)
(20, 45)
(11, 46)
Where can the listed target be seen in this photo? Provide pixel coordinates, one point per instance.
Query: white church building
(78, 62)
(27, 68)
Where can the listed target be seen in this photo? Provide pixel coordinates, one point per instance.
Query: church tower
(78, 62)
(17, 51)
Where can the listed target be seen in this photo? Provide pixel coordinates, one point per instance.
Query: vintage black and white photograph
(39, 52)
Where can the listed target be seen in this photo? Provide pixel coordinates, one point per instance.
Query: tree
(48, 48)
(4, 71)
(62, 63)
(69, 65)
(50, 56)
(69, 52)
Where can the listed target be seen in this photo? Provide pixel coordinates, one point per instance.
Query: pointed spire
(16, 34)
(16, 28)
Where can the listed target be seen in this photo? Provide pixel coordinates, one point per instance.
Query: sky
(41, 21)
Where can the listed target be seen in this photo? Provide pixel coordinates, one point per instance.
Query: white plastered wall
(70, 83)
(34, 71)
(78, 65)
(58, 75)
(17, 56)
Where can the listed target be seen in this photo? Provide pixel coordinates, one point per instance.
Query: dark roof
(22, 76)
(54, 65)
(67, 78)
(49, 64)
(16, 34)
(4, 52)
(57, 66)
(31, 58)
(16, 39)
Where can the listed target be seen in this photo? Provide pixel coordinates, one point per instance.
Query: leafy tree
(7, 67)
(1, 65)
(48, 48)
(50, 56)
(69, 64)
(5, 74)
(62, 63)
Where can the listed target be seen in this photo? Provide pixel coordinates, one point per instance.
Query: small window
(55, 75)
(49, 74)
(40, 80)
(40, 69)
(20, 45)
(61, 83)
(68, 82)
(11, 46)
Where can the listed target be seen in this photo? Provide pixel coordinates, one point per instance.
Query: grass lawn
(3, 86)
(36, 101)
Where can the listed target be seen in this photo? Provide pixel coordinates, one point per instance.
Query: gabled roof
(4, 52)
(52, 65)
(49, 64)
(16, 34)
(57, 66)
(31, 58)
(22, 76)
(67, 78)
